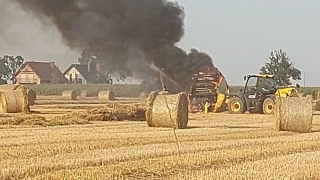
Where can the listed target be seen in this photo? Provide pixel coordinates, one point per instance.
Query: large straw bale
(293, 114)
(70, 94)
(106, 95)
(32, 96)
(83, 93)
(167, 110)
(14, 101)
(318, 101)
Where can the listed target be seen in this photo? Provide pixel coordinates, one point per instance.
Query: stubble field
(215, 146)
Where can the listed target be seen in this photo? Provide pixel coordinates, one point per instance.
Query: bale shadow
(242, 127)
(48, 113)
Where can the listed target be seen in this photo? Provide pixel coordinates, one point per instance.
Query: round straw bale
(32, 96)
(14, 101)
(293, 114)
(167, 110)
(318, 101)
(106, 95)
(31, 93)
(83, 93)
(70, 94)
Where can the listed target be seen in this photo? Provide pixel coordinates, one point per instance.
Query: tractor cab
(258, 95)
(257, 89)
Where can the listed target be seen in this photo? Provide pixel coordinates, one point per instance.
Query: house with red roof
(39, 73)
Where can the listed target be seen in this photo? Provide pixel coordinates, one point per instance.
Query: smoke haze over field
(134, 37)
(23, 34)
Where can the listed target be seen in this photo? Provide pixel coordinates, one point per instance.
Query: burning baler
(208, 91)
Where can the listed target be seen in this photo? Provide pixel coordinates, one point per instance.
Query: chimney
(89, 64)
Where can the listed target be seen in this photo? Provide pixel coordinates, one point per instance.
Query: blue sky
(240, 34)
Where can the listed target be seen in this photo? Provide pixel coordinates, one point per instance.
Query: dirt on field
(215, 146)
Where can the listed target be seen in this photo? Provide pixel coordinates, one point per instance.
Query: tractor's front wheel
(236, 106)
(268, 106)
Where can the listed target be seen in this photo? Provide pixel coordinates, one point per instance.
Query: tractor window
(271, 82)
(251, 83)
(266, 83)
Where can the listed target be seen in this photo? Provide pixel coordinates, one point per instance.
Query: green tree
(281, 67)
(9, 65)
(88, 55)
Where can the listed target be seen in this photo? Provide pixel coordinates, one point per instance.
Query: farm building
(39, 73)
(84, 74)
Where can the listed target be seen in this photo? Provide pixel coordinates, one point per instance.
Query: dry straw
(83, 93)
(318, 101)
(106, 95)
(170, 110)
(29, 119)
(68, 119)
(117, 112)
(293, 114)
(14, 101)
(70, 94)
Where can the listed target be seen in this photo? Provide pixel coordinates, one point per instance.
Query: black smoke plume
(132, 37)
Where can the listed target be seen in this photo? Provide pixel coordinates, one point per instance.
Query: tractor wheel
(268, 106)
(236, 106)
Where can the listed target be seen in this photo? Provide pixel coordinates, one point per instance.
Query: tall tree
(9, 65)
(87, 56)
(92, 57)
(281, 66)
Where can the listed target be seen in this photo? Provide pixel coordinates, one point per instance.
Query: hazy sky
(23, 34)
(238, 34)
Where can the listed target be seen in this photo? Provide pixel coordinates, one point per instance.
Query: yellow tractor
(258, 95)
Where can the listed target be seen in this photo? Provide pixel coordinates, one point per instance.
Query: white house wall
(74, 71)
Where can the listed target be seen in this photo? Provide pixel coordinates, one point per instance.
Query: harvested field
(214, 146)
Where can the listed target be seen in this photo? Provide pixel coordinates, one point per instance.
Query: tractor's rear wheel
(236, 106)
(268, 106)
